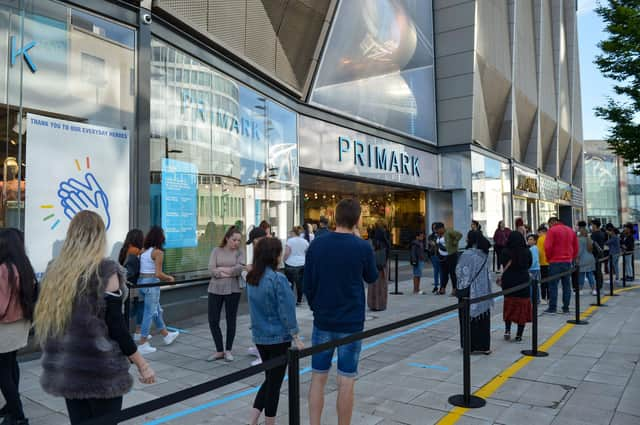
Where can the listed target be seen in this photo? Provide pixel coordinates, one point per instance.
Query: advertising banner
(179, 193)
(71, 167)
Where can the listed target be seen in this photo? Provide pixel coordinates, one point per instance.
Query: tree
(620, 61)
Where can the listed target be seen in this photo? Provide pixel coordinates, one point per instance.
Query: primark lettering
(371, 156)
(239, 125)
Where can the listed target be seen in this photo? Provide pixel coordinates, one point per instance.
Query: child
(534, 270)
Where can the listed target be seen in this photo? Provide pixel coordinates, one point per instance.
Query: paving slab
(590, 377)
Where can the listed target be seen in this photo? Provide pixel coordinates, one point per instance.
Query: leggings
(230, 302)
(269, 393)
(449, 271)
(507, 329)
(9, 380)
(82, 410)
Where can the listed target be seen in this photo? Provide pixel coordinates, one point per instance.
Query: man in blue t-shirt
(335, 266)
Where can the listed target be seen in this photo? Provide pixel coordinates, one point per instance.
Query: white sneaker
(253, 351)
(146, 348)
(171, 336)
(256, 362)
(594, 292)
(228, 356)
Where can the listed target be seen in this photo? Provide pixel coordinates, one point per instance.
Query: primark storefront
(104, 107)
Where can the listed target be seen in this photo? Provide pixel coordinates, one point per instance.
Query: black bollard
(293, 359)
(534, 352)
(396, 292)
(466, 399)
(577, 320)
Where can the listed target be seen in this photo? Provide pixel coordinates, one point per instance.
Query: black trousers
(448, 270)
(269, 394)
(544, 287)
(230, 302)
(9, 380)
(85, 409)
(295, 276)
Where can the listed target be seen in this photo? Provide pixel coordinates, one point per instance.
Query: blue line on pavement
(182, 331)
(429, 366)
(254, 390)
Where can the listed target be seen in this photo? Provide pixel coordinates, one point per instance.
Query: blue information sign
(179, 203)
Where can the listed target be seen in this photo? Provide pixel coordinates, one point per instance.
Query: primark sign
(327, 147)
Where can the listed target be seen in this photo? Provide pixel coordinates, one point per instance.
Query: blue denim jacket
(273, 309)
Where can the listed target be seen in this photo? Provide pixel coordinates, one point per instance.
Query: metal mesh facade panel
(279, 36)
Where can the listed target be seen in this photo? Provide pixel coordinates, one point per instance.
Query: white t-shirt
(440, 241)
(298, 246)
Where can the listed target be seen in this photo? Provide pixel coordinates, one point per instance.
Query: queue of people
(81, 329)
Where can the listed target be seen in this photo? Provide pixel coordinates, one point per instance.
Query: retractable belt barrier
(293, 357)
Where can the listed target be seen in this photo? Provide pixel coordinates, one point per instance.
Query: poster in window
(71, 167)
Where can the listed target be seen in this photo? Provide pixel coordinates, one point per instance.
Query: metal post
(396, 292)
(466, 399)
(293, 359)
(633, 264)
(577, 320)
(599, 282)
(534, 352)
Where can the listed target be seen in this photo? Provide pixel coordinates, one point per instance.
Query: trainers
(435, 290)
(421, 292)
(550, 311)
(228, 356)
(256, 362)
(146, 348)
(171, 336)
(253, 351)
(565, 311)
(214, 357)
(594, 292)
(518, 340)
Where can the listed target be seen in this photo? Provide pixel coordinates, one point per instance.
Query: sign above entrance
(327, 147)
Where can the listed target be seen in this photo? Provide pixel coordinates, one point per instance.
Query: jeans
(590, 277)
(449, 270)
(269, 394)
(628, 266)
(348, 354)
(294, 275)
(435, 262)
(137, 310)
(535, 277)
(230, 302)
(616, 265)
(9, 381)
(152, 309)
(81, 410)
(557, 268)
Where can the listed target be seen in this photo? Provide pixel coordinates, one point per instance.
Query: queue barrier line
(488, 389)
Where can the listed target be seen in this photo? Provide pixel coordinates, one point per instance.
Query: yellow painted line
(492, 386)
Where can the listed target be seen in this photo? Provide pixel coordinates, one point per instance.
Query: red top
(561, 244)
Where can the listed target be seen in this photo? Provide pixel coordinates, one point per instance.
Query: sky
(595, 88)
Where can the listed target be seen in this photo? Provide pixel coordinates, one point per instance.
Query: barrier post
(577, 320)
(633, 264)
(534, 352)
(293, 359)
(611, 293)
(466, 399)
(396, 292)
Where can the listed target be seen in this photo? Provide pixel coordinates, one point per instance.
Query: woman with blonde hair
(78, 322)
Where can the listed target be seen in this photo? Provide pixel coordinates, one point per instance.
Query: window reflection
(378, 65)
(491, 192)
(242, 145)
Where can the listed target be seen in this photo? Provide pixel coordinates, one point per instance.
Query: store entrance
(402, 211)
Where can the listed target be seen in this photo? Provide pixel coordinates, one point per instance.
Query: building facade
(197, 115)
(612, 191)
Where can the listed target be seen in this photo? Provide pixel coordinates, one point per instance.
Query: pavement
(591, 375)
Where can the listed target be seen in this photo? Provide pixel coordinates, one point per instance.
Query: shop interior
(402, 211)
